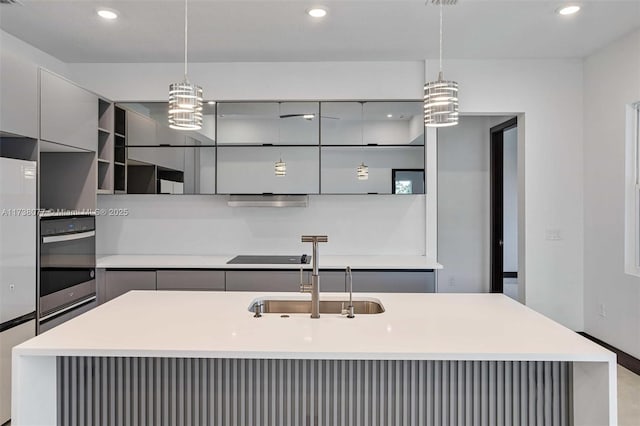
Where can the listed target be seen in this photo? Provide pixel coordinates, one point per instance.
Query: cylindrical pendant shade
(363, 172)
(281, 168)
(440, 103)
(185, 106)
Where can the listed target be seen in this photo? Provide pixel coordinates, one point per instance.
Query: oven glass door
(67, 262)
(76, 250)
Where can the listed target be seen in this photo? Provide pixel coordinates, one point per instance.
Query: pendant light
(185, 98)
(281, 166)
(363, 169)
(441, 96)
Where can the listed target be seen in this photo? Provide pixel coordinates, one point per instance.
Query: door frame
(496, 184)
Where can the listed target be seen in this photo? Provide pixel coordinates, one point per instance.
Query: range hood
(268, 200)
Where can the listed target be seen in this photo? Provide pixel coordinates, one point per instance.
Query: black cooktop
(261, 259)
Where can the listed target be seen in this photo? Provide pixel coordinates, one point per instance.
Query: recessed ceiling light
(568, 10)
(211, 102)
(309, 116)
(109, 14)
(389, 115)
(317, 12)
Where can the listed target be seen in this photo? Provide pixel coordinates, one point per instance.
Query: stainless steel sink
(270, 306)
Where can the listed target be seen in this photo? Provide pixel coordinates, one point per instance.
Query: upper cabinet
(244, 146)
(18, 96)
(268, 123)
(253, 136)
(151, 158)
(387, 137)
(68, 113)
(372, 123)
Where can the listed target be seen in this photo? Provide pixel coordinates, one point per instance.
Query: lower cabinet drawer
(264, 280)
(269, 280)
(394, 282)
(190, 280)
(120, 282)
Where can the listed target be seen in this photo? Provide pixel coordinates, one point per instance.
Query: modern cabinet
(18, 96)
(105, 146)
(320, 143)
(394, 281)
(118, 282)
(386, 281)
(251, 170)
(119, 150)
(270, 280)
(113, 282)
(268, 123)
(68, 113)
(141, 130)
(168, 279)
(253, 136)
(386, 136)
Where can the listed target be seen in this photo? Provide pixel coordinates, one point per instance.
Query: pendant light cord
(440, 76)
(186, 37)
(362, 124)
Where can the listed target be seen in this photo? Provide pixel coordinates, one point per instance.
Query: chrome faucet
(314, 287)
(350, 310)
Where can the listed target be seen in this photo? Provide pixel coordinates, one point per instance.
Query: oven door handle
(68, 308)
(68, 237)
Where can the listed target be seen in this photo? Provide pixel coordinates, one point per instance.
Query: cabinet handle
(68, 237)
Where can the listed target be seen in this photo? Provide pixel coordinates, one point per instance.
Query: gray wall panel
(185, 391)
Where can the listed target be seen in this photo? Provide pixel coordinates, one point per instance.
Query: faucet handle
(304, 288)
(315, 239)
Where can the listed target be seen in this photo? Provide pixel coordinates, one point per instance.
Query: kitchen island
(203, 358)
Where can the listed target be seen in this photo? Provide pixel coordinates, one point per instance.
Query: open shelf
(105, 146)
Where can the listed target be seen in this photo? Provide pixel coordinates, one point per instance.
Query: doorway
(504, 208)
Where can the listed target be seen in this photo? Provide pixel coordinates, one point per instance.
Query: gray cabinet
(250, 170)
(264, 280)
(190, 280)
(332, 281)
(380, 281)
(120, 282)
(113, 283)
(68, 113)
(141, 130)
(394, 281)
(268, 280)
(18, 96)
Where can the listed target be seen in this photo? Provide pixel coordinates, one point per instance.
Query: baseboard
(629, 362)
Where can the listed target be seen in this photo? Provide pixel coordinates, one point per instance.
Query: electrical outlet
(452, 281)
(603, 311)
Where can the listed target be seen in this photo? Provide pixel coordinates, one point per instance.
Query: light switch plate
(553, 235)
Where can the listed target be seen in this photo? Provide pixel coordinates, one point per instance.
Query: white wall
(547, 96)
(510, 201)
(611, 81)
(159, 224)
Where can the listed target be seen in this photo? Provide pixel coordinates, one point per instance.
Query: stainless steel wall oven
(67, 268)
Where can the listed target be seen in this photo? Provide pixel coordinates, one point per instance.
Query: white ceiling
(354, 30)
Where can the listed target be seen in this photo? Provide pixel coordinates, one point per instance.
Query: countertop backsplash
(205, 225)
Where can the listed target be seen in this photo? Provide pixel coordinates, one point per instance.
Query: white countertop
(220, 262)
(219, 325)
